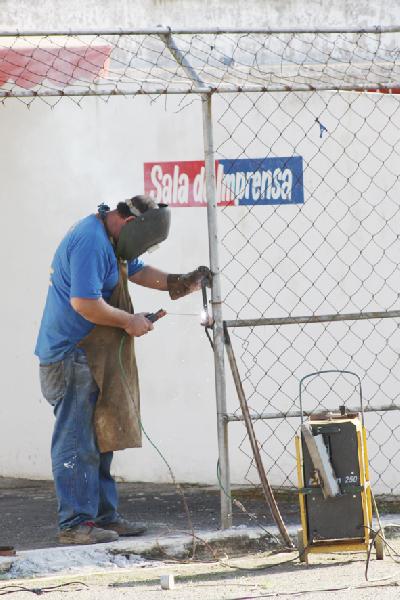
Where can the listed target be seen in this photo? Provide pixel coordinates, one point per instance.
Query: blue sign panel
(253, 181)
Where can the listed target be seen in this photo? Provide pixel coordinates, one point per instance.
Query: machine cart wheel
(300, 546)
(379, 547)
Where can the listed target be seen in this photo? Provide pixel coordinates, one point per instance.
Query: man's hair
(140, 203)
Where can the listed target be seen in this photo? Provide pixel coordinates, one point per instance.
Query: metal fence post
(219, 362)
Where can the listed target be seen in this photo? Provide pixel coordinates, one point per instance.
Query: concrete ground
(130, 569)
(28, 510)
(339, 576)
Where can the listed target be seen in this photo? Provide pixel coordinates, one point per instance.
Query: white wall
(57, 14)
(57, 166)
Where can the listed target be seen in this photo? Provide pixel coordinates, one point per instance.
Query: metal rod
(182, 60)
(268, 493)
(264, 416)
(222, 88)
(197, 30)
(218, 331)
(180, 314)
(390, 314)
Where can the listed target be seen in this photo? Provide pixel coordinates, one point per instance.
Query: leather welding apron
(117, 412)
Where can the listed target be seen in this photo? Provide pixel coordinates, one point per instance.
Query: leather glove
(183, 284)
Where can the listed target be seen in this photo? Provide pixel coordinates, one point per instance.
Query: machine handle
(342, 372)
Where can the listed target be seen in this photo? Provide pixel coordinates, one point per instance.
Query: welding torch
(206, 318)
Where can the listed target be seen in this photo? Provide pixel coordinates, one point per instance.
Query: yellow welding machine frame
(336, 545)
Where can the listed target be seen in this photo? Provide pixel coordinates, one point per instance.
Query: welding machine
(333, 479)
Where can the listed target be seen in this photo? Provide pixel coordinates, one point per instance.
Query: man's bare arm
(151, 278)
(100, 313)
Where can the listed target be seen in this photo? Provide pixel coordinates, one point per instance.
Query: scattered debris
(167, 582)
(7, 551)
(5, 564)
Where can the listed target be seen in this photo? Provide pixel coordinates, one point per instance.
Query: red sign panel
(182, 183)
(59, 66)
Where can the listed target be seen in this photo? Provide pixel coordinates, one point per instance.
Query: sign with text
(241, 181)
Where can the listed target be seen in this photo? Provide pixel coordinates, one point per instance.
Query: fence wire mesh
(43, 65)
(334, 250)
(307, 128)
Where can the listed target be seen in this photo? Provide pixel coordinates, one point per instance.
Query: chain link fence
(329, 247)
(306, 128)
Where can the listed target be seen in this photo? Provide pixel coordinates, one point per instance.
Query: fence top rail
(192, 89)
(165, 30)
(85, 62)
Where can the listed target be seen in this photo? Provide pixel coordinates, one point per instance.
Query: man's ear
(131, 218)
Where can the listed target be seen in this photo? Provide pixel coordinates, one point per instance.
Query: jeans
(85, 489)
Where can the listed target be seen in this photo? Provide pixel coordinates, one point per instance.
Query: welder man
(87, 360)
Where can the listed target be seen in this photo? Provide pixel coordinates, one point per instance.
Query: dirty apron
(117, 412)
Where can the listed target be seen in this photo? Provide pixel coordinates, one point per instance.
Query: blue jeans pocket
(52, 382)
(83, 377)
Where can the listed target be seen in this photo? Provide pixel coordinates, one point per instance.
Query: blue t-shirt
(84, 266)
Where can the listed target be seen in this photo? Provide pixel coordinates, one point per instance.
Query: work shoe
(87, 533)
(125, 527)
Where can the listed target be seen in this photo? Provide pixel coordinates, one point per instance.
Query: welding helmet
(149, 228)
